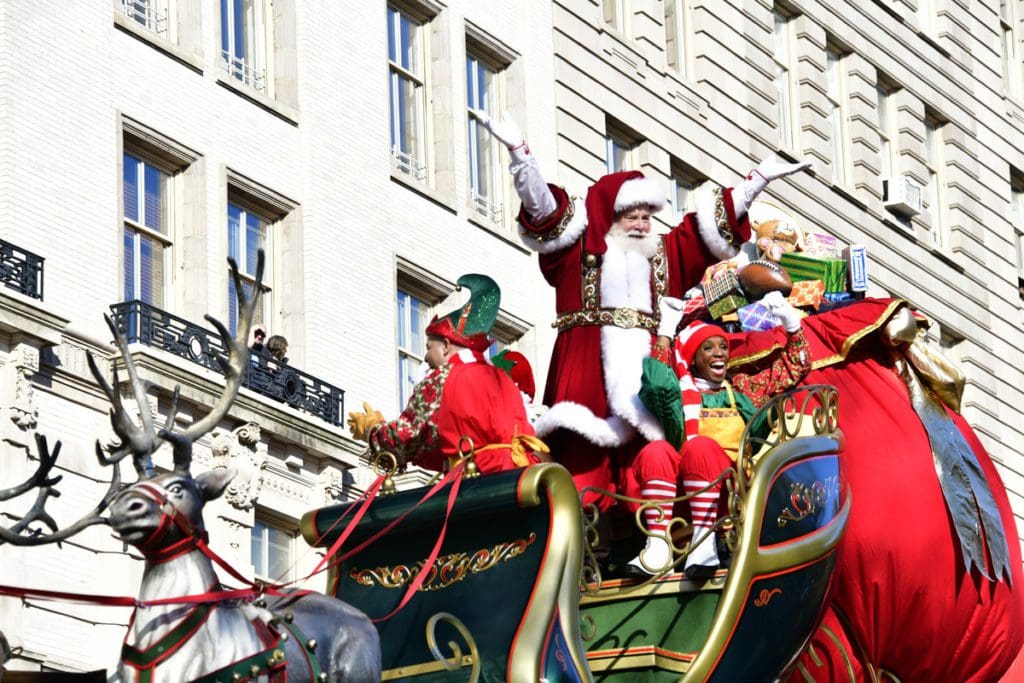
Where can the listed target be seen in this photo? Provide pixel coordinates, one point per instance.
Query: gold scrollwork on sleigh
(447, 569)
(806, 499)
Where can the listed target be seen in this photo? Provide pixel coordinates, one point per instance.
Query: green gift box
(830, 271)
(726, 305)
(723, 294)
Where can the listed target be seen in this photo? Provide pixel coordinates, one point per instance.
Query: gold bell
(472, 471)
(388, 487)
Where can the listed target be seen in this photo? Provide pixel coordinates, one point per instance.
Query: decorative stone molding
(335, 484)
(241, 449)
(24, 362)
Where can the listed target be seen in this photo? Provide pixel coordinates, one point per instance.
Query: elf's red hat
(690, 339)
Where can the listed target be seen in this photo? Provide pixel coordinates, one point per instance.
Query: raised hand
(671, 310)
(360, 423)
(769, 169)
(505, 131)
(788, 316)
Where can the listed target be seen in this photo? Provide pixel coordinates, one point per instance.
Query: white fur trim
(622, 355)
(569, 236)
(707, 226)
(575, 417)
(640, 191)
(625, 279)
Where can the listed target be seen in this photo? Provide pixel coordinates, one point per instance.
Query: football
(762, 276)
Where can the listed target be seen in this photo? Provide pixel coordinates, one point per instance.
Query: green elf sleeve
(659, 392)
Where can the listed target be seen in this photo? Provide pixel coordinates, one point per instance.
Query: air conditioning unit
(901, 195)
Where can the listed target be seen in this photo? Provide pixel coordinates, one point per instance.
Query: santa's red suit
(607, 302)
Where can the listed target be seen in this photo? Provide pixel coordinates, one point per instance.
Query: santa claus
(611, 273)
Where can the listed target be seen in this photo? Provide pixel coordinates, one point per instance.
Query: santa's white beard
(646, 245)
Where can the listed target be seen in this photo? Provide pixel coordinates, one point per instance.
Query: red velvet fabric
(902, 601)
(482, 402)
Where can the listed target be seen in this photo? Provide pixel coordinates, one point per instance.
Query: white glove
(506, 132)
(788, 316)
(769, 169)
(526, 176)
(671, 310)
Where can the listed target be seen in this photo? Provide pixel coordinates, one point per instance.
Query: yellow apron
(724, 425)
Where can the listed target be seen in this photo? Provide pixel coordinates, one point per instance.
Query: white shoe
(655, 558)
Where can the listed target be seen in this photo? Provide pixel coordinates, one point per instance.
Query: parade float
(869, 534)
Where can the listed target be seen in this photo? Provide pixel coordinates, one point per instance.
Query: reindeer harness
(270, 661)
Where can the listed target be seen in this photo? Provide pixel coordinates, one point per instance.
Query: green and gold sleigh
(508, 598)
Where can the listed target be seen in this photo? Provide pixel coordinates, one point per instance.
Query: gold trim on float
(454, 663)
(558, 579)
(447, 570)
(646, 657)
(666, 584)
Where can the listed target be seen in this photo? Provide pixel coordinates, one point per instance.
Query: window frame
(412, 163)
(616, 138)
(129, 9)
(679, 37)
(1010, 47)
(687, 179)
(143, 232)
(1017, 221)
(275, 523)
(837, 96)
(491, 205)
(934, 163)
(617, 14)
(783, 58)
(254, 68)
(888, 139)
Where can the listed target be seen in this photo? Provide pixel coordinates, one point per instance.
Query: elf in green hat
(464, 399)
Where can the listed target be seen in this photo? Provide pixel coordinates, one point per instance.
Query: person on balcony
(706, 413)
(609, 271)
(464, 404)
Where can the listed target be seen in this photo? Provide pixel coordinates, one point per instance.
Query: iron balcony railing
(146, 324)
(21, 270)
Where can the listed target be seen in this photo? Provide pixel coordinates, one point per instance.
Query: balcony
(21, 270)
(145, 324)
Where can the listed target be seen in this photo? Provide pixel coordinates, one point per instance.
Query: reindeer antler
(138, 441)
(40, 479)
(234, 368)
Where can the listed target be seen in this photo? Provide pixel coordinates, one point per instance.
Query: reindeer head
(176, 495)
(159, 512)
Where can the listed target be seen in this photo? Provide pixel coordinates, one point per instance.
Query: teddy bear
(776, 237)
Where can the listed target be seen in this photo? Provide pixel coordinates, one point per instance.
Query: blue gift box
(756, 316)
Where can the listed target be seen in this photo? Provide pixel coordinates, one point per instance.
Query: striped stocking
(657, 553)
(704, 514)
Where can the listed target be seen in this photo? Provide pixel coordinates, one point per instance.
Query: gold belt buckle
(626, 318)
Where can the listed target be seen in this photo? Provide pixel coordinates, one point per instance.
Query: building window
(152, 15)
(1017, 218)
(406, 89)
(684, 183)
(249, 231)
(413, 315)
(148, 220)
(1010, 38)
(245, 39)
(486, 180)
(619, 148)
(835, 78)
(887, 151)
(617, 15)
(782, 56)
(678, 35)
(934, 143)
(272, 551)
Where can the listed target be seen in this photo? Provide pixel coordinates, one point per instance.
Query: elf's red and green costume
(467, 401)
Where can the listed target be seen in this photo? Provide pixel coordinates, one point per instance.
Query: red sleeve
(788, 370)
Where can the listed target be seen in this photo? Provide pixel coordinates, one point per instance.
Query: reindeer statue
(186, 627)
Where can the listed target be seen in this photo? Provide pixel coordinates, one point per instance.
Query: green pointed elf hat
(469, 325)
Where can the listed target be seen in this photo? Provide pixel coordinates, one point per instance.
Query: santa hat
(615, 193)
(469, 325)
(687, 343)
(518, 368)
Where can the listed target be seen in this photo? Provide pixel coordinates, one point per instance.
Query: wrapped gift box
(756, 316)
(830, 271)
(820, 245)
(695, 308)
(723, 294)
(856, 256)
(838, 297)
(807, 293)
